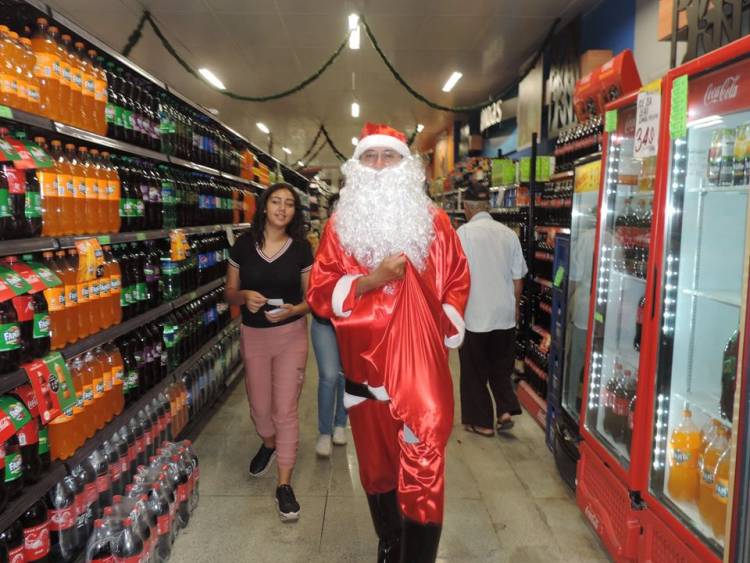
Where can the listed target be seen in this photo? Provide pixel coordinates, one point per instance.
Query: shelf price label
(679, 108)
(648, 110)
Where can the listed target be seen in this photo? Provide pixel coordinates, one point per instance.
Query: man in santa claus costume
(391, 274)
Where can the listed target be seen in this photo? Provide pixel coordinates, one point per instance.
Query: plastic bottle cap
(26, 41)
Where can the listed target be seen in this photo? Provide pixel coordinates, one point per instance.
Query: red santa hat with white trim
(379, 135)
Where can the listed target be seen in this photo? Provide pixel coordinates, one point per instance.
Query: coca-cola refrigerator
(613, 451)
(695, 493)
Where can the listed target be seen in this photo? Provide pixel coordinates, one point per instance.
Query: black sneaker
(262, 461)
(287, 504)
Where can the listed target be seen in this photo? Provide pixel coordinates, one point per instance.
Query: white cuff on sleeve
(341, 292)
(455, 317)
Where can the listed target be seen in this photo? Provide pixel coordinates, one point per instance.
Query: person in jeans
(497, 269)
(331, 411)
(267, 275)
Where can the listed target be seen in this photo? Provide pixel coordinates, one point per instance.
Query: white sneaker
(323, 447)
(339, 436)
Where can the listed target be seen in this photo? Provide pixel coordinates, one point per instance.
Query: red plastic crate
(605, 502)
(660, 545)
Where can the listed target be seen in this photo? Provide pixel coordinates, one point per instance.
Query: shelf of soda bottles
(31, 493)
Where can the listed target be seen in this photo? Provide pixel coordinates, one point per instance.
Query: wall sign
(491, 115)
(712, 23)
(563, 74)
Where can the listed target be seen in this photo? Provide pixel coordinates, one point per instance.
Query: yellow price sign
(587, 177)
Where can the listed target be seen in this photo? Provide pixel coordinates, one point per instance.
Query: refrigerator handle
(653, 293)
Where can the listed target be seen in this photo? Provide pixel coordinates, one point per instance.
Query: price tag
(610, 121)
(678, 113)
(598, 317)
(559, 275)
(6, 112)
(647, 114)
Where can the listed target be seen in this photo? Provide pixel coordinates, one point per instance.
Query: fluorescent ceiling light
(455, 77)
(262, 127)
(212, 79)
(354, 28)
(420, 127)
(286, 150)
(355, 141)
(355, 109)
(300, 163)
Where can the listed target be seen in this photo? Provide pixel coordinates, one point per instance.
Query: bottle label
(84, 290)
(47, 183)
(13, 467)
(45, 64)
(109, 113)
(16, 555)
(28, 434)
(707, 475)
(141, 291)
(83, 189)
(721, 490)
(89, 86)
(115, 470)
(36, 542)
(71, 291)
(33, 205)
(680, 457)
(127, 119)
(35, 96)
(71, 189)
(10, 337)
(100, 90)
(4, 203)
(162, 524)
(127, 207)
(132, 382)
(98, 387)
(43, 440)
(62, 519)
(77, 79)
(119, 116)
(67, 74)
(16, 180)
(90, 493)
(88, 394)
(182, 492)
(118, 373)
(140, 208)
(41, 325)
(95, 290)
(92, 188)
(105, 286)
(103, 483)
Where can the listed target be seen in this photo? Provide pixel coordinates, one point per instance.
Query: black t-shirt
(274, 277)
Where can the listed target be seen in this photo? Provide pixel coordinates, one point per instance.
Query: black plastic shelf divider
(131, 410)
(193, 295)
(31, 493)
(107, 142)
(30, 119)
(24, 245)
(193, 166)
(11, 380)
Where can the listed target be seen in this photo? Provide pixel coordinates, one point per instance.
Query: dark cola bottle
(61, 506)
(36, 538)
(129, 545)
(110, 454)
(14, 541)
(99, 465)
(13, 467)
(28, 439)
(128, 437)
(100, 548)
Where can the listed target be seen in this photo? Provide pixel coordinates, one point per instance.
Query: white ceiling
(257, 47)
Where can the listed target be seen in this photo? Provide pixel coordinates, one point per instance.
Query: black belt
(358, 389)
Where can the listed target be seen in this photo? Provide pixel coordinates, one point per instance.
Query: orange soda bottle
(80, 413)
(117, 368)
(90, 192)
(115, 284)
(718, 516)
(55, 297)
(92, 366)
(8, 84)
(88, 87)
(65, 188)
(47, 69)
(707, 504)
(101, 358)
(100, 94)
(684, 449)
(65, 94)
(79, 188)
(47, 178)
(33, 92)
(102, 199)
(113, 194)
(71, 296)
(87, 377)
(75, 110)
(19, 77)
(82, 292)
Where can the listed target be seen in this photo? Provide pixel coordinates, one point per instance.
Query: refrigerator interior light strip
(703, 121)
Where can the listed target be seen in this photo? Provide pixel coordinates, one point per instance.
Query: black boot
(419, 542)
(386, 517)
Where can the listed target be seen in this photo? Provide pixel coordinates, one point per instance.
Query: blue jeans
(331, 378)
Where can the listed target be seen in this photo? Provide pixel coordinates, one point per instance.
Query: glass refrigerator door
(702, 302)
(620, 290)
(582, 241)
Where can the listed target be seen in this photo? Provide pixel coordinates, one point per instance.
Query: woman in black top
(267, 275)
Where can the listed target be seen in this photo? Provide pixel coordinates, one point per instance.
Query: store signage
(563, 74)
(720, 92)
(711, 24)
(491, 115)
(648, 110)
(588, 177)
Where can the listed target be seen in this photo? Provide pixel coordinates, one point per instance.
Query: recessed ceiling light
(300, 163)
(286, 150)
(354, 28)
(355, 109)
(262, 127)
(212, 79)
(455, 77)
(420, 127)
(355, 141)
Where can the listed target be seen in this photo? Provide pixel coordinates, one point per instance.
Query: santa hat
(379, 135)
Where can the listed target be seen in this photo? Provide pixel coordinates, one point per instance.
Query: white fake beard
(385, 212)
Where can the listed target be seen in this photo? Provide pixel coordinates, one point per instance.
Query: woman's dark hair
(295, 229)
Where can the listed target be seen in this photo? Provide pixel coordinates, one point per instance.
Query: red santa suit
(393, 343)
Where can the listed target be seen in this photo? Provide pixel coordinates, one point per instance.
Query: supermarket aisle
(504, 503)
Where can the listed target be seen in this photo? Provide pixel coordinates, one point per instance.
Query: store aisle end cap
(381, 136)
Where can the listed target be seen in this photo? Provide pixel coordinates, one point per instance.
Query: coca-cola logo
(727, 90)
(62, 519)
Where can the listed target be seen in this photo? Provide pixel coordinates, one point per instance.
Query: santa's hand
(254, 301)
(282, 314)
(391, 268)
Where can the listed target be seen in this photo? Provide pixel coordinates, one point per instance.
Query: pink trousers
(275, 361)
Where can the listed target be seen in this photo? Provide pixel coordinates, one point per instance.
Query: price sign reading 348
(647, 123)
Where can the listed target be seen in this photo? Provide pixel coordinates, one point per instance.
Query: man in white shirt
(497, 269)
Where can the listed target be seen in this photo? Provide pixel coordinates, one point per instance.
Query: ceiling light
(300, 163)
(354, 29)
(262, 127)
(420, 127)
(355, 141)
(212, 79)
(455, 77)
(213, 111)
(355, 109)
(286, 150)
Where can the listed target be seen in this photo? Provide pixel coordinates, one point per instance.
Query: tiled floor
(505, 502)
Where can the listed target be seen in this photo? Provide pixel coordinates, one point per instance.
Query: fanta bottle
(47, 178)
(684, 449)
(79, 188)
(19, 76)
(47, 70)
(102, 200)
(100, 94)
(707, 505)
(8, 84)
(113, 194)
(75, 111)
(65, 94)
(33, 92)
(718, 516)
(55, 297)
(88, 87)
(71, 296)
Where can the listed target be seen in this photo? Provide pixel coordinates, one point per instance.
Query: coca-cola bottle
(639, 323)
(129, 546)
(86, 476)
(622, 402)
(36, 538)
(14, 540)
(121, 447)
(83, 516)
(160, 504)
(110, 454)
(61, 505)
(98, 463)
(100, 548)
(128, 436)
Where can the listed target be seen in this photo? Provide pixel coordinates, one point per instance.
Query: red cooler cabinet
(664, 418)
